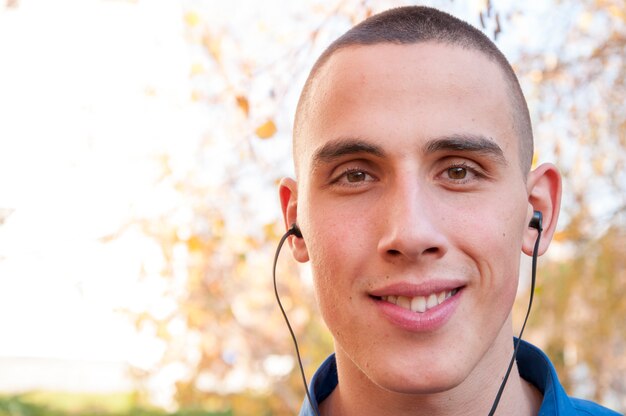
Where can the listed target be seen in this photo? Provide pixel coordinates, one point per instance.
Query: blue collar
(534, 367)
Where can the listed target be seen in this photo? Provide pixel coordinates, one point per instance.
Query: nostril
(398, 253)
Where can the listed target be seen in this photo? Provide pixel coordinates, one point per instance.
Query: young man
(414, 194)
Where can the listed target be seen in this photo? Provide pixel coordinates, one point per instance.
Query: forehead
(401, 95)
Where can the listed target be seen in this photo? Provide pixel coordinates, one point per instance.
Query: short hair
(417, 24)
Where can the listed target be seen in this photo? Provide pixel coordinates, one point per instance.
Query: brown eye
(457, 172)
(355, 176)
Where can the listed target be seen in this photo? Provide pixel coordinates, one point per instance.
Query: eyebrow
(338, 148)
(466, 143)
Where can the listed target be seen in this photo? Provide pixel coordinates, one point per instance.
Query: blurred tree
(576, 86)
(224, 336)
(226, 347)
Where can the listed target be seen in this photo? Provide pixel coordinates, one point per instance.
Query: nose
(411, 224)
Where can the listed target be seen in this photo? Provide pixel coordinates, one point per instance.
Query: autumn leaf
(266, 130)
(242, 102)
(213, 46)
(598, 166)
(192, 18)
(535, 159)
(196, 95)
(615, 11)
(560, 236)
(195, 244)
(196, 69)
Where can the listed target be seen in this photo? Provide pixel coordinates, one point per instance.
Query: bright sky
(79, 140)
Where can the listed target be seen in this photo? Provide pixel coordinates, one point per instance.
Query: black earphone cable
(292, 231)
(521, 332)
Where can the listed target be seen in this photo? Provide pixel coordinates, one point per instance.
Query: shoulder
(587, 408)
(535, 367)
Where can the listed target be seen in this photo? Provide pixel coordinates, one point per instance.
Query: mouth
(419, 304)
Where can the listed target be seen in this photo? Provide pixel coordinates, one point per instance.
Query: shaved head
(412, 25)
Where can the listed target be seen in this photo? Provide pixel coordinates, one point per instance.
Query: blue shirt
(534, 367)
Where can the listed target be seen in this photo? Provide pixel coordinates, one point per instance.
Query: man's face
(412, 205)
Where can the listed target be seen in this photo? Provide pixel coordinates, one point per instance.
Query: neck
(356, 394)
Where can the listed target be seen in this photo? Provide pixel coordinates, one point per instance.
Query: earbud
(294, 230)
(536, 221)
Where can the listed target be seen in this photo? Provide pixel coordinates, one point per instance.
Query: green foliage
(68, 404)
(581, 313)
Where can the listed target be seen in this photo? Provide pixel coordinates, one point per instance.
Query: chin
(409, 380)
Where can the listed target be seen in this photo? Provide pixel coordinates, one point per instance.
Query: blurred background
(141, 142)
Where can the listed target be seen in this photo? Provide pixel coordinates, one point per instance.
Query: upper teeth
(420, 303)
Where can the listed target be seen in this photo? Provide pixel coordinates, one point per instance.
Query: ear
(288, 191)
(544, 195)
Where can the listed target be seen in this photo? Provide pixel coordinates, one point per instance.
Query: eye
(353, 177)
(457, 172)
(461, 173)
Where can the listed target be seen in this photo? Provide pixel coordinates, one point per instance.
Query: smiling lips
(420, 304)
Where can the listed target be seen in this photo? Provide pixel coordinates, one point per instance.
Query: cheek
(492, 237)
(338, 257)
(337, 234)
(503, 253)
(332, 290)
(331, 258)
